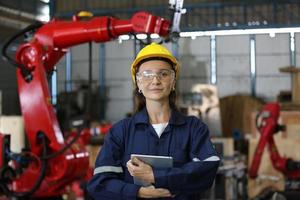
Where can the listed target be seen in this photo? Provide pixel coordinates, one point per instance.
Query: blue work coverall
(185, 138)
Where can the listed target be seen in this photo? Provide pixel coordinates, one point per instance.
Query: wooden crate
(235, 113)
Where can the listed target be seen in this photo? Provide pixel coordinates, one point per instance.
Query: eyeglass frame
(158, 75)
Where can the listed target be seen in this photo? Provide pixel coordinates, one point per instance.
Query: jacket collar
(177, 118)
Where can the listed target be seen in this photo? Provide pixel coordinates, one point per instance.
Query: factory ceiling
(201, 14)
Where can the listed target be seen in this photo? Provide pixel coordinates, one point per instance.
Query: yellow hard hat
(85, 14)
(151, 51)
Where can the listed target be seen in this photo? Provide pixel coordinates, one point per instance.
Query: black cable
(43, 159)
(26, 73)
(38, 183)
(67, 146)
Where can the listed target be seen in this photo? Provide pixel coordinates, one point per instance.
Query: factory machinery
(268, 126)
(53, 159)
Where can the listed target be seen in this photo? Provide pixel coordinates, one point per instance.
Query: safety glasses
(162, 75)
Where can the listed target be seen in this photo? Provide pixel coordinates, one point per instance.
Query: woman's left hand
(140, 170)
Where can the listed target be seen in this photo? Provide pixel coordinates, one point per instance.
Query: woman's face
(156, 79)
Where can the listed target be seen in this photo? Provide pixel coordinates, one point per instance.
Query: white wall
(272, 54)
(194, 58)
(233, 64)
(118, 79)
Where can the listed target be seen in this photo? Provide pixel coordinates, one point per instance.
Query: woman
(157, 128)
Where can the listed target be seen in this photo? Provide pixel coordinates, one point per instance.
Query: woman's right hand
(152, 192)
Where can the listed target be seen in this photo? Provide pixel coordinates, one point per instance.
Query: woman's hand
(140, 170)
(151, 192)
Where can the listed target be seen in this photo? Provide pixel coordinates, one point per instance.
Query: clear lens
(148, 75)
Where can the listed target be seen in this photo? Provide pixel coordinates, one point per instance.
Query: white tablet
(153, 161)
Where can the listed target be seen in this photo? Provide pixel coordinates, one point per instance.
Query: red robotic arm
(53, 38)
(49, 45)
(268, 127)
(50, 166)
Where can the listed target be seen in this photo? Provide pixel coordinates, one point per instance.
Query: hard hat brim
(140, 59)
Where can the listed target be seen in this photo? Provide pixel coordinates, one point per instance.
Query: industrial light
(154, 36)
(141, 36)
(272, 34)
(270, 31)
(124, 37)
(192, 34)
(138, 36)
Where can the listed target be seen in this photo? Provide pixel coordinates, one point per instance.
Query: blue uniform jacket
(185, 138)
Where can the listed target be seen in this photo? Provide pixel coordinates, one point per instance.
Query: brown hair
(139, 99)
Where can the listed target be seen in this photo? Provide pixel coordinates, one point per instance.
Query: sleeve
(107, 182)
(199, 173)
